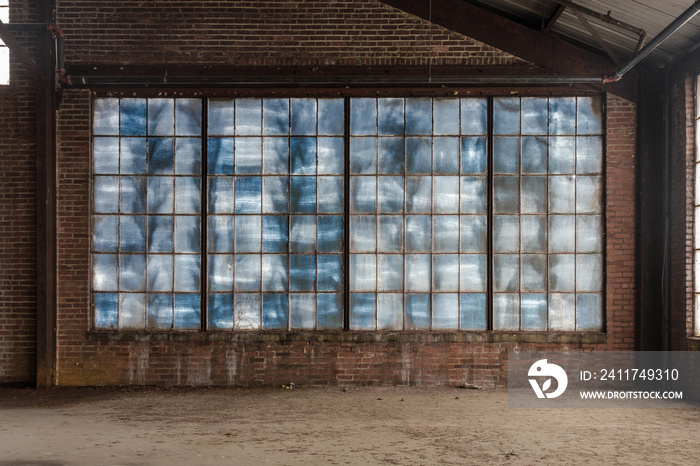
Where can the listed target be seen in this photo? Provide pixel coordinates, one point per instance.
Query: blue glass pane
(562, 115)
(160, 234)
(473, 195)
(506, 272)
(391, 194)
(533, 309)
(246, 311)
(472, 310)
(418, 159)
(506, 190)
(562, 233)
(105, 159)
(105, 118)
(419, 116)
(363, 116)
(445, 272)
(187, 311)
(533, 233)
(445, 116)
(330, 194)
(133, 156)
(275, 311)
(562, 272)
(330, 273)
(506, 311)
(133, 234)
(248, 156)
(446, 233)
(473, 233)
(589, 312)
(220, 233)
(562, 194)
(391, 157)
(187, 272)
(187, 233)
(418, 233)
(562, 155)
(533, 193)
(506, 115)
(331, 158)
(389, 272)
(220, 156)
(331, 116)
(187, 195)
(132, 310)
(390, 233)
(248, 233)
(363, 308)
(133, 117)
(302, 273)
(417, 311)
(220, 311)
(302, 310)
(390, 116)
(159, 311)
(474, 155)
(302, 235)
(474, 116)
(445, 194)
(188, 117)
(363, 194)
(506, 155)
(275, 194)
(275, 116)
(533, 272)
(132, 272)
(390, 311)
(160, 273)
(446, 155)
(363, 272)
(363, 233)
(472, 274)
(275, 233)
(329, 311)
(446, 311)
(248, 118)
(274, 273)
(161, 156)
(303, 116)
(363, 156)
(104, 230)
(220, 272)
(534, 115)
(247, 272)
(220, 117)
(104, 272)
(106, 310)
(275, 155)
(506, 233)
(588, 194)
(589, 154)
(589, 233)
(534, 155)
(418, 198)
(330, 233)
(589, 272)
(160, 195)
(589, 115)
(248, 195)
(418, 276)
(221, 195)
(188, 156)
(303, 194)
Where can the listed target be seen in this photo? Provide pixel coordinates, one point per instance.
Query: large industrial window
(358, 213)
(4, 51)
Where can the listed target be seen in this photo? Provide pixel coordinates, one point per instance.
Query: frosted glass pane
(330, 273)
(419, 116)
(391, 155)
(187, 195)
(275, 196)
(589, 154)
(302, 273)
(133, 117)
(562, 115)
(533, 233)
(589, 233)
(220, 156)
(160, 273)
(160, 195)
(417, 312)
(302, 310)
(303, 156)
(562, 312)
(562, 269)
(330, 234)
(506, 190)
(562, 192)
(445, 272)
(133, 194)
(331, 158)
(220, 311)
(589, 194)
(105, 114)
(445, 194)
(132, 234)
(472, 310)
(363, 308)
(418, 276)
(506, 115)
(363, 156)
(188, 313)
(220, 233)
(389, 311)
(104, 233)
(589, 115)
(418, 233)
(187, 273)
(331, 116)
(506, 233)
(248, 194)
(187, 234)
(133, 156)
(533, 194)
(160, 234)
(474, 116)
(589, 312)
(363, 233)
(363, 116)
(132, 272)
(275, 311)
(562, 233)
(246, 311)
(188, 156)
(418, 194)
(188, 117)
(534, 155)
(446, 155)
(390, 116)
(248, 155)
(248, 117)
(533, 272)
(330, 194)
(363, 194)
(562, 155)
(506, 155)
(220, 117)
(132, 310)
(446, 311)
(275, 116)
(533, 308)
(389, 272)
(247, 272)
(445, 116)
(302, 234)
(161, 156)
(303, 194)
(105, 158)
(390, 194)
(474, 155)
(446, 233)
(248, 233)
(275, 155)
(274, 273)
(390, 233)
(104, 272)
(534, 115)
(472, 273)
(275, 233)
(506, 272)
(506, 311)
(363, 272)
(473, 195)
(106, 310)
(473, 233)
(329, 311)
(418, 159)
(589, 272)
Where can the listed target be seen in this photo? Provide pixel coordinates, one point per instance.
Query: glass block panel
(133, 156)
(445, 116)
(104, 272)
(418, 276)
(474, 116)
(133, 194)
(248, 233)
(391, 156)
(472, 311)
(533, 194)
(363, 194)
(160, 194)
(506, 155)
(562, 312)
(248, 155)
(418, 311)
(446, 233)
(562, 115)
(188, 156)
(363, 272)
(562, 272)
(132, 272)
(589, 194)
(589, 233)
(363, 233)
(330, 273)
(446, 272)
(418, 234)
(302, 310)
(220, 156)
(533, 309)
(220, 311)
(446, 155)
(418, 159)
(418, 194)
(506, 190)
(473, 233)
(220, 119)
(589, 272)
(247, 272)
(105, 116)
(389, 272)
(506, 115)
(274, 273)
(275, 116)
(105, 155)
(446, 194)
(419, 116)
(187, 195)
(104, 233)
(303, 156)
(160, 273)
(363, 308)
(533, 272)
(589, 115)
(188, 117)
(331, 158)
(329, 311)
(562, 155)
(330, 194)
(220, 232)
(473, 195)
(275, 233)
(248, 194)
(221, 195)
(275, 195)
(533, 115)
(363, 116)
(246, 311)
(106, 310)
(302, 234)
(446, 311)
(275, 311)
(248, 118)
(589, 154)
(331, 116)
(187, 272)
(390, 311)
(506, 272)
(363, 156)
(534, 155)
(506, 311)
(562, 194)
(472, 272)
(506, 233)
(275, 155)
(303, 116)
(187, 311)
(132, 236)
(533, 233)
(159, 311)
(220, 272)
(589, 312)
(133, 117)
(474, 155)
(562, 233)
(389, 233)
(330, 233)
(132, 310)
(302, 273)
(161, 156)
(390, 116)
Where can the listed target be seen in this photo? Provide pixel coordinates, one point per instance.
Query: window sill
(352, 337)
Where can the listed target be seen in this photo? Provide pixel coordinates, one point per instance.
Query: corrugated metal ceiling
(651, 15)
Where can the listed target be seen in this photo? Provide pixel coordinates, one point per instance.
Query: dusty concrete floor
(135, 426)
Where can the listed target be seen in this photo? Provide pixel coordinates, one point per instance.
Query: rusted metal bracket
(19, 51)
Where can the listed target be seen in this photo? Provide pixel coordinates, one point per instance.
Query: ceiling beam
(547, 51)
(553, 19)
